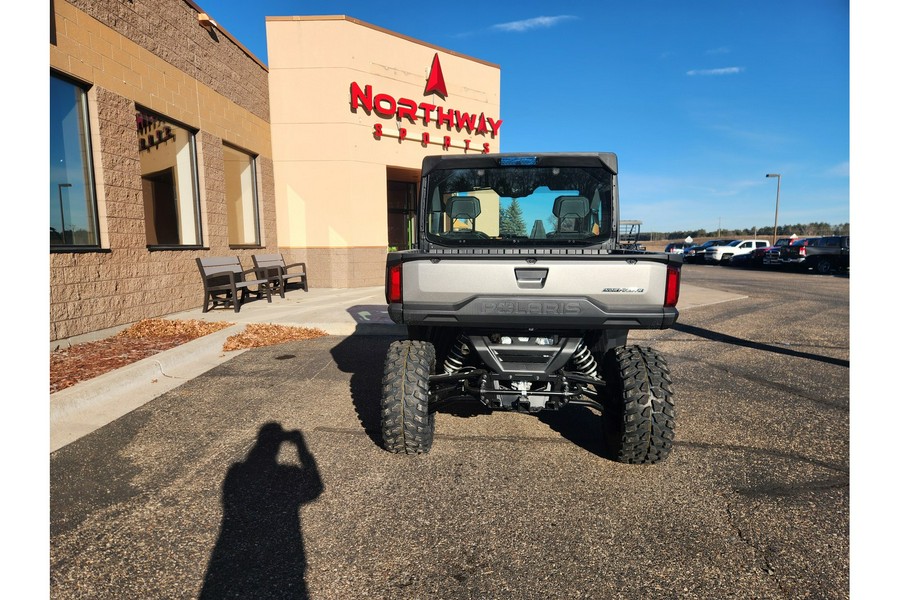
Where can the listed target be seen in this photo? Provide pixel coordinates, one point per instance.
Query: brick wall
(156, 55)
(169, 30)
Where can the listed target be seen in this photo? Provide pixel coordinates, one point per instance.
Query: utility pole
(777, 195)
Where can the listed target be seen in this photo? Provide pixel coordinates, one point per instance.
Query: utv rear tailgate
(565, 291)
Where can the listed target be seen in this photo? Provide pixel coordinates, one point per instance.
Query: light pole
(777, 195)
(62, 214)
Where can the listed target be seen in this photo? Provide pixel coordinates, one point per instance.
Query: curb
(88, 405)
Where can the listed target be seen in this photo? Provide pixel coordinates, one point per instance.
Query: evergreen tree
(511, 220)
(504, 220)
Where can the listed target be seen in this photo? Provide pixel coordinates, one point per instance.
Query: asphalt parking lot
(264, 477)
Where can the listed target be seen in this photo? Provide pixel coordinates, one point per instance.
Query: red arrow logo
(435, 83)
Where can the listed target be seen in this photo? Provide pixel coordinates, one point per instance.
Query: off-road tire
(823, 266)
(638, 412)
(406, 424)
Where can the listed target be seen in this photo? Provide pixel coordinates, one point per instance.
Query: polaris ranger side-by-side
(520, 296)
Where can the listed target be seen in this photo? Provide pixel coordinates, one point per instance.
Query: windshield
(527, 205)
(734, 243)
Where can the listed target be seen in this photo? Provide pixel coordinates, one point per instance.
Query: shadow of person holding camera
(259, 553)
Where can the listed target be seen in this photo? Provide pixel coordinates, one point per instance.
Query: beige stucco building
(350, 105)
(170, 141)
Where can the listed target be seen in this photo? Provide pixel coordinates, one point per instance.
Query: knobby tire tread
(640, 414)
(406, 424)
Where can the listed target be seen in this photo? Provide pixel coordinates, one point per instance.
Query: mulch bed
(81, 362)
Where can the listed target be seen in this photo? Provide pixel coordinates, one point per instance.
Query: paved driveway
(264, 476)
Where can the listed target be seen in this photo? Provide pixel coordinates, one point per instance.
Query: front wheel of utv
(406, 424)
(638, 412)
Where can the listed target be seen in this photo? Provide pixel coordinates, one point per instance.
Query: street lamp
(62, 214)
(777, 194)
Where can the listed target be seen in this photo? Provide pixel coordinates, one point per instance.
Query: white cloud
(751, 136)
(534, 23)
(840, 170)
(723, 71)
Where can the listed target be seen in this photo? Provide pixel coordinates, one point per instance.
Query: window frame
(255, 190)
(195, 183)
(90, 183)
(589, 182)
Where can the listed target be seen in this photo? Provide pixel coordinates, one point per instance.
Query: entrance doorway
(402, 202)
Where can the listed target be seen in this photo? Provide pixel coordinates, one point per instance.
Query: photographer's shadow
(259, 553)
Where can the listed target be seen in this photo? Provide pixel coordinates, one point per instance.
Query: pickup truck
(696, 254)
(823, 254)
(771, 256)
(723, 254)
(519, 295)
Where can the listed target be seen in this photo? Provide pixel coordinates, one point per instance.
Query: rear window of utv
(519, 204)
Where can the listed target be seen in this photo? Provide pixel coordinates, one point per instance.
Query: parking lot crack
(767, 566)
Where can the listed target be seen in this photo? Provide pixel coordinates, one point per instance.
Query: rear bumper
(560, 313)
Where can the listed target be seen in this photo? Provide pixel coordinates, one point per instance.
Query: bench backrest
(268, 260)
(212, 265)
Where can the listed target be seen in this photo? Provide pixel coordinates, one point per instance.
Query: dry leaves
(164, 328)
(147, 337)
(256, 335)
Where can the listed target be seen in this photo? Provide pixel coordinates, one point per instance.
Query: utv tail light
(673, 286)
(395, 284)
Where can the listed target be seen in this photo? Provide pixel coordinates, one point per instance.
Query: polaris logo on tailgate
(519, 307)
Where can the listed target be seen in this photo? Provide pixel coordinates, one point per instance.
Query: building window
(241, 198)
(169, 179)
(73, 203)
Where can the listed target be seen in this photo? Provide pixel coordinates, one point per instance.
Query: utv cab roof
(607, 160)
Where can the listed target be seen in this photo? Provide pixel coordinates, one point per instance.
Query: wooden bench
(223, 277)
(279, 274)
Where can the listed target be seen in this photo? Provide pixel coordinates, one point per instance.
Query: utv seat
(466, 208)
(570, 213)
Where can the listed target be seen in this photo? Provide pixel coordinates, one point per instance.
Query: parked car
(723, 254)
(770, 256)
(823, 255)
(676, 248)
(694, 254)
(741, 260)
(794, 254)
(759, 257)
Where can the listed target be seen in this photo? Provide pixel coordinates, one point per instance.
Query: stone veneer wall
(153, 53)
(169, 29)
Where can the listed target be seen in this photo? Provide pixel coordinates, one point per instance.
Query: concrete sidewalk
(88, 405)
(78, 410)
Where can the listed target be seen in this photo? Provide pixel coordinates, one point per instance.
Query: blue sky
(699, 99)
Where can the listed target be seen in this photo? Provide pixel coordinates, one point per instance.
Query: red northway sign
(405, 109)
